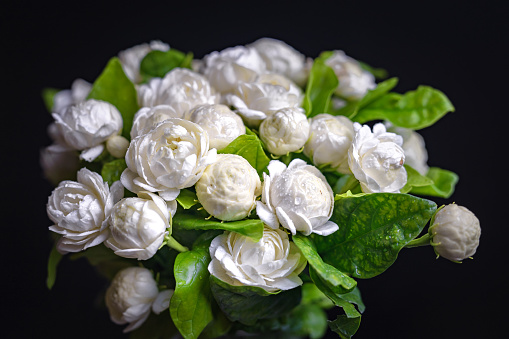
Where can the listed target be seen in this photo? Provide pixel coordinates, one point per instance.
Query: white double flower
(80, 209)
(376, 159)
(298, 197)
(273, 263)
(170, 157)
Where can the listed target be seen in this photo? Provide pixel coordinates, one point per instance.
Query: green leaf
(354, 297)
(219, 326)
(322, 83)
(414, 109)
(187, 198)
(247, 304)
(308, 320)
(336, 280)
(191, 303)
(155, 327)
(352, 108)
(53, 261)
(115, 87)
(373, 229)
(378, 73)
(252, 228)
(444, 183)
(250, 148)
(112, 170)
(104, 260)
(344, 326)
(415, 179)
(48, 94)
(312, 295)
(157, 63)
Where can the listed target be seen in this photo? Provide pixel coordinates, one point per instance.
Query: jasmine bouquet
(245, 192)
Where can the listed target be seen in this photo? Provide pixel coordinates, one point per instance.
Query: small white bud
(117, 145)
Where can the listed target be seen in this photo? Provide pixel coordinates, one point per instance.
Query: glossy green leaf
(191, 303)
(112, 170)
(252, 228)
(336, 280)
(373, 229)
(157, 63)
(352, 108)
(48, 94)
(354, 297)
(312, 295)
(309, 321)
(250, 148)
(378, 73)
(53, 261)
(219, 326)
(115, 87)
(444, 183)
(414, 109)
(344, 326)
(415, 179)
(322, 83)
(187, 198)
(247, 304)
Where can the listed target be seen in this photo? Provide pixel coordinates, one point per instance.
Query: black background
(457, 47)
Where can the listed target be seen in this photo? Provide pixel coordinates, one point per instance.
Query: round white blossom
(283, 59)
(130, 296)
(80, 89)
(139, 225)
(131, 58)
(221, 123)
(255, 101)
(330, 138)
(180, 88)
(80, 209)
(170, 157)
(414, 147)
(273, 263)
(148, 117)
(354, 82)
(117, 146)
(287, 130)
(228, 188)
(280, 80)
(87, 125)
(162, 301)
(298, 197)
(376, 159)
(226, 68)
(456, 232)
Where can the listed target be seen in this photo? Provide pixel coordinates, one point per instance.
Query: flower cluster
(248, 185)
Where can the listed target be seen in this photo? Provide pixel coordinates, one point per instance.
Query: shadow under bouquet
(244, 192)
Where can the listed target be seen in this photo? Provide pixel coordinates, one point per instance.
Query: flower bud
(138, 226)
(456, 232)
(414, 147)
(287, 130)
(330, 138)
(229, 187)
(117, 145)
(130, 296)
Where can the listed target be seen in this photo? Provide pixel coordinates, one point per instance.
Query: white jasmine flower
(228, 188)
(87, 125)
(226, 68)
(221, 123)
(414, 147)
(170, 157)
(180, 88)
(130, 296)
(283, 59)
(255, 101)
(117, 146)
(287, 130)
(456, 232)
(298, 197)
(280, 80)
(138, 225)
(376, 159)
(273, 263)
(80, 89)
(131, 58)
(354, 82)
(162, 301)
(330, 138)
(148, 117)
(79, 210)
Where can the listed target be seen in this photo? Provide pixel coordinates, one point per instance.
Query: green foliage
(48, 94)
(155, 327)
(112, 170)
(187, 198)
(415, 179)
(104, 260)
(115, 87)
(157, 63)
(53, 261)
(249, 146)
(322, 83)
(344, 326)
(444, 183)
(373, 229)
(414, 109)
